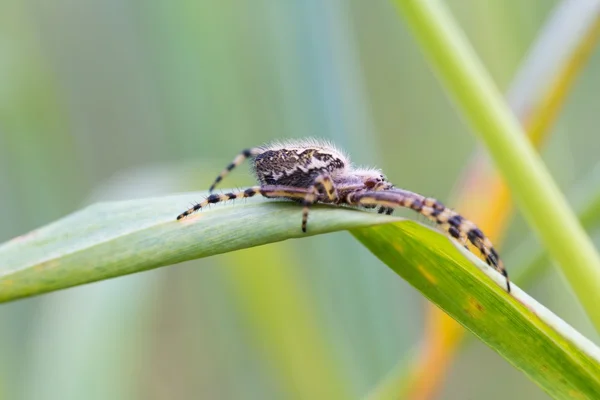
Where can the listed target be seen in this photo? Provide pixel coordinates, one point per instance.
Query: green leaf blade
(113, 239)
(520, 329)
(118, 238)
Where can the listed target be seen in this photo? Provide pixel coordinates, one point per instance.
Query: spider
(312, 171)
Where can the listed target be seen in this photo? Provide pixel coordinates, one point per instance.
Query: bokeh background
(119, 99)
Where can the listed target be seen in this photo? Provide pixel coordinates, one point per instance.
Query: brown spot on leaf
(398, 248)
(427, 275)
(474, 308)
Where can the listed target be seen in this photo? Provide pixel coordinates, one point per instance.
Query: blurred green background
(114, 99)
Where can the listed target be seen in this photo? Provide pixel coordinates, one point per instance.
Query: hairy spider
(312, 171)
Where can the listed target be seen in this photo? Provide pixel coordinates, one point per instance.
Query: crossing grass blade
(112, 239)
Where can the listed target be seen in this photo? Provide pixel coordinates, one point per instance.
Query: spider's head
(373, 179)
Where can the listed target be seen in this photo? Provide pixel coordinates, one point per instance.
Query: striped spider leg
(239, 159)
(269, 191)
(456, 225)
(322, 188)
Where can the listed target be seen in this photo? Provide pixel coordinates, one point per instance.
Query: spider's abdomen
(295, 167)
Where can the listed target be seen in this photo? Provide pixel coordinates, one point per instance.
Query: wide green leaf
(111, 239)
(554, 355)
(117, 238)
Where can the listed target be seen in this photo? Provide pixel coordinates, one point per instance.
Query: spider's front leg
(269, 191)
(457, 226)
(322, 187)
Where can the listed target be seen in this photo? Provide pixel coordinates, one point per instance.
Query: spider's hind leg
(457, 226)
(322, 188)
(240, 158)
